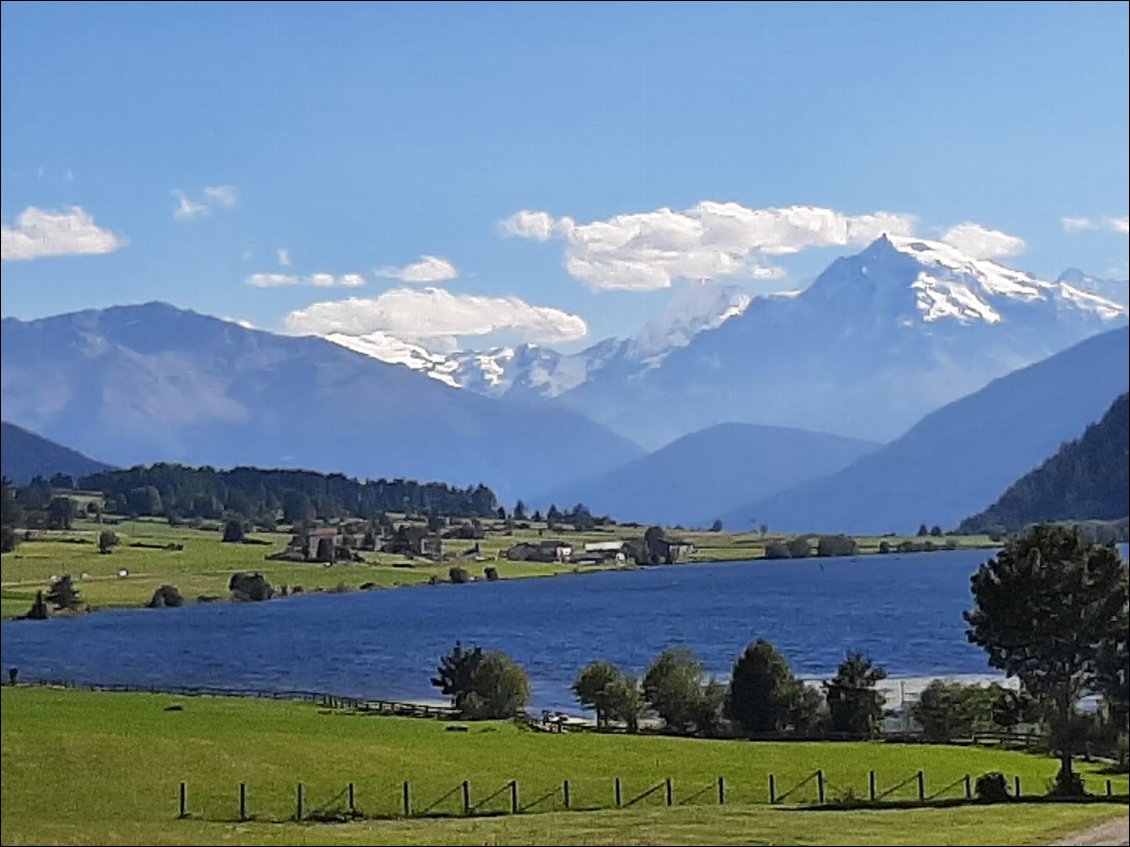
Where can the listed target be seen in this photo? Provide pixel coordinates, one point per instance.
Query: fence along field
(485, 770)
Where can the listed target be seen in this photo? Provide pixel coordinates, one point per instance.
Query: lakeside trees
(1051, 609)
(483, 685)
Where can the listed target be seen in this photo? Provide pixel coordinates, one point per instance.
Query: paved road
(1116, 832)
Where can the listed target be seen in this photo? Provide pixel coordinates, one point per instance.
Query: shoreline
(558, 570)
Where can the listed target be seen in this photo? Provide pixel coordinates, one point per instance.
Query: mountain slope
(958, 459)
(25, 455)
(1088, 478)
(134, 384)
(1117, 290)
(877, 341)
(694, 479)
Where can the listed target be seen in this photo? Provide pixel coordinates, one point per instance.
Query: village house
(540, 551)
(414, 541)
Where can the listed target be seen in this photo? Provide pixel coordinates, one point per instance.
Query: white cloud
(1077, 224)
(1113, 224)
(318, 280)
(526, 224)
(188, 209)
(69, 232)
(284, 257)
(437, 316)
(644, 251)
(215, 196)
(980, 242)
(428, 269)
(221, 195)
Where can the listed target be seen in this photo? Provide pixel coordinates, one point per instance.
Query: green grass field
(87, 768)
(205, 564)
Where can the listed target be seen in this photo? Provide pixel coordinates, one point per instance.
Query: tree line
(263, 495)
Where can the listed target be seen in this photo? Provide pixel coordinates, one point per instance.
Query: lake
(903, 610)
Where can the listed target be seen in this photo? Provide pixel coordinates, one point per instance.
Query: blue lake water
(904, 610)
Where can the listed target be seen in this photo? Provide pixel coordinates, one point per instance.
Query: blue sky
(360, 138)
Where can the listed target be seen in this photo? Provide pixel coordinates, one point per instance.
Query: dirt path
(1116, 832)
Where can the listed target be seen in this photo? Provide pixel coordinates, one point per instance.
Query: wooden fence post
(513, 796)
(820, 786)
(466, 797)
(243, 801)
(352, 799)
(670, 792)
(968, 787)
(1017, 783)
(407, 795)
(565, 794)
(871, 786)
(1109, 789)
(772, 789)
(619, 795)
(722, 790)
(183, 813)
(299, 815)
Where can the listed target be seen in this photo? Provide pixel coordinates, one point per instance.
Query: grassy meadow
(205, 564)
(96, 768)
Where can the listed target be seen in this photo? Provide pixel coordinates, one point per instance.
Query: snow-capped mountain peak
(700, 306)
(930, 281)
(396, 351)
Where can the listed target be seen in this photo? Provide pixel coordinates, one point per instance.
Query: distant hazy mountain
(957, 460)
(532, 371)
(1117, 290)
(25, 455)
(877, 341)
(698, 477)
(1088, 478)
(135, 384)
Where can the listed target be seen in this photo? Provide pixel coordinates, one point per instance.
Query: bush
(63, 595)
(107, 541)
(252, 587)
(777, 550)
(8, 540)
(491, 573)
(836, 545)
(992, 788)
(233, 532)
(167, 596)
(1067, 784)
(459, 575)
(798, 547)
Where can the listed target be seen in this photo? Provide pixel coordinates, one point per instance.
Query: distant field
(205, 564)
(86, 768)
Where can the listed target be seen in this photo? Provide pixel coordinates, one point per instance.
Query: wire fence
(278, 802)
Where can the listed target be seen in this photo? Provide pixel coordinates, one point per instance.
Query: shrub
(491, 573)
(250, 587)
(1067, 784)
(798, 547)
(8, 540)
(992, 788)
(107, 541)
(63, 595)
(165, 596)
(836, 545)
(233, 531)
(777, 550)
(459, 575)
